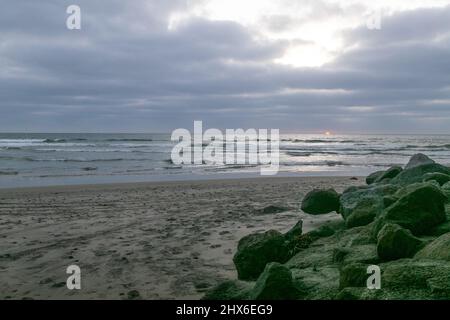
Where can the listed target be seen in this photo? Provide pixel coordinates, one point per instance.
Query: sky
(343, 66)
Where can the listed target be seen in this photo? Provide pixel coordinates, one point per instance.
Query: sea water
(28, 159)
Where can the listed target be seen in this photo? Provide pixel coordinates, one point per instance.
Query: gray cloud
(126, 71)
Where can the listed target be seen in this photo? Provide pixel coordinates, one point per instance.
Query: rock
(339, 254)
(366, 199)
(134, 295)
(258, 249)
(320, 201)
(446, 186)
(418, 160)
(390, 173)
(275, 283)
(413, 186)
(270, 210)
(371, 178)
(438, 249)
(446, 190)
(441, 229)
(416, 173)
(353, 275)
(350, 293)
(317, 283)
(229, 290)
(321, 251)
(389, 200)
(419, 209)
(394, 242)
(407, 274)
(365, 254)
(437, 176)
(325, 230)
(365, 212)
(295, 231)
(303, 241)
(353, 293)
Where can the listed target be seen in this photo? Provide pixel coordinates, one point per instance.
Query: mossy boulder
(419, 209)
(256, 250)
(363, 197)
(294, 232)
(395, 242)
(371, 178)
(275, 283)
(320, 201)
(229, 290)
(417, 173)
(417, 160)
(365, 212)
(441, 178)
(391, 173)
(365, 253)
(446, 186)
(407, 274)
(353, 275)
(438, 249)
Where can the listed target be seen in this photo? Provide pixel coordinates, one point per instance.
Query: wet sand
(170, 240)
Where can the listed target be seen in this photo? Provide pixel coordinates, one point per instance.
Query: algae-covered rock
(416, 174)
(446, 186)
(365, 253)
(229, 290)
(420, 209)
(438, 249)
(298, 243)
(317, 282)
(362, 197)
(258, 249)
(365, 212)
(382, 222)
(394, 242)
(389, 200)
(371, 178)
(407, 274)
(391, 173)
(353, 275)
(355, 293)
(440, 229)
(446, 190)
(275, 283)
(441, 178)
(320, 201)
(295, 231)
(418, 159)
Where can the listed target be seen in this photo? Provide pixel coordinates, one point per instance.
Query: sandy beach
(170, 240)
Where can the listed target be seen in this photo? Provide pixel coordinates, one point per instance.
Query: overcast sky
(296, 65)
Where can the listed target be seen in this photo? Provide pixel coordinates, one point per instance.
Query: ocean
(28, 159)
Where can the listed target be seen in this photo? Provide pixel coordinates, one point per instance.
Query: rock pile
(399, 221)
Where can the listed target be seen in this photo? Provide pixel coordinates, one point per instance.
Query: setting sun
(327, 133)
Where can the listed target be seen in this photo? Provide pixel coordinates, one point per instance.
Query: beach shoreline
(150, 240)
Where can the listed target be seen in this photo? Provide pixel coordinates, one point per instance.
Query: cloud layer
(128, 69)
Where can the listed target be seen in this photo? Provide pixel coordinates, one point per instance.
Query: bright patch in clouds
(313, 28)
